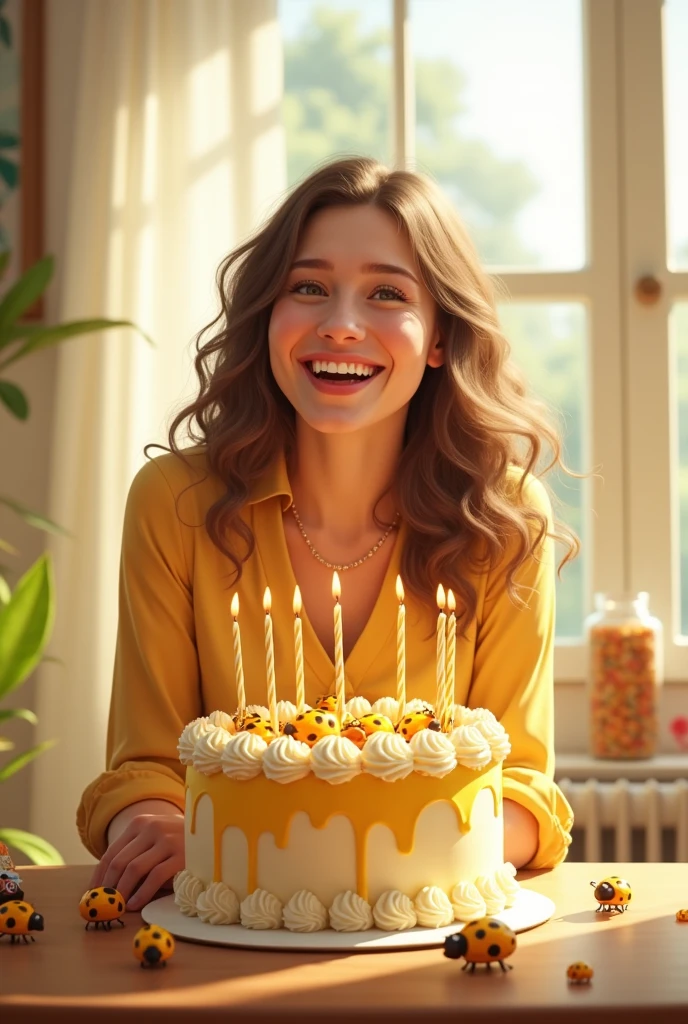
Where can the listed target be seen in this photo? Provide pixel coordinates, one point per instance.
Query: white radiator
(657, 809)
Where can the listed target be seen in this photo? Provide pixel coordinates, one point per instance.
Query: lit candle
(441, 654)
(238, 661)
(401, 649)
(270, 662)
(298, 653)
(340, 681)
(451, 661)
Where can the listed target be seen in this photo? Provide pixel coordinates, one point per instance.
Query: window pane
(676, 102)
(499, 122)
(337, 81)
(549, 345)
(678, 326)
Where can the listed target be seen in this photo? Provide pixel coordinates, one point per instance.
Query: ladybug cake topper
(612, 893)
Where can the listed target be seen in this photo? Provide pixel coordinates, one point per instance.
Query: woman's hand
(144, 855)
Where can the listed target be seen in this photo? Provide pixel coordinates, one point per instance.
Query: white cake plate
(530, 909)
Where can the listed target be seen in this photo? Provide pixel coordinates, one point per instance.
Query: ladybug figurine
(415, 721)
(328, 703)
(102, 906)
(259, 727)
(579, 973)
(485, 941)
(682, 915)
(612, 893)
(153, 946)
(19, 919)
(310, 726)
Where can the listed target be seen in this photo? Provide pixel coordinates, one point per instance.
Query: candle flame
(267, 601)
(235, 606)
(400, 590)
(451, 601)
(297, 601)
(441, 600)
(336, 587)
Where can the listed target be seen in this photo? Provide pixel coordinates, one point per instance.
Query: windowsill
(582, 766)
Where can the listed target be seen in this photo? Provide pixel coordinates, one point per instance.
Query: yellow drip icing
(261, 805)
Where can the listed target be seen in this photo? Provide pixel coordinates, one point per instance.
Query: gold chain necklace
(351, 565)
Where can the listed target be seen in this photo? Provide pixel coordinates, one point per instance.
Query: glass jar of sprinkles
(624, 675)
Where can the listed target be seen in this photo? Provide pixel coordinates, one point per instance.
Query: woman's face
(354, 328)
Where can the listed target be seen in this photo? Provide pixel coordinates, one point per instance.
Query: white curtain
(179, 153)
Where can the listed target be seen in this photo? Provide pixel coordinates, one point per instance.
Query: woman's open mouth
(340, 378)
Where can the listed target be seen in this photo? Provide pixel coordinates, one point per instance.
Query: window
(545, 125)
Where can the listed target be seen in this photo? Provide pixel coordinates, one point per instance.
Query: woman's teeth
(346, 369)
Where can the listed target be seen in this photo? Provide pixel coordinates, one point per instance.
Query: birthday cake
(385, 817)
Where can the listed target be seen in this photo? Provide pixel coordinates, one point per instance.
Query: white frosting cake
(368, 826)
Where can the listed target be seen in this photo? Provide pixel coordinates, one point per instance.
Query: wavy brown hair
(468, 423)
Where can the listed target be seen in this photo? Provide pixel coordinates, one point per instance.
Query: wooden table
(640, 960)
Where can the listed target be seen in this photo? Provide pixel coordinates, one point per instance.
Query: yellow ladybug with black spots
(374, 722)
(101, 906)
(328, 703)
(485, 941)
(417, 720)
(579, 973)
(259, 727)
(19, 919)
(682, 915)
(612, 893)
(153, 946)
(311, 726)
(352, 731)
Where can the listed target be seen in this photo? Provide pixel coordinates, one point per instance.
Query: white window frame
(631, 526)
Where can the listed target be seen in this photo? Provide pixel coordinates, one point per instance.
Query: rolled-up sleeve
(514, 676)
(156, 678)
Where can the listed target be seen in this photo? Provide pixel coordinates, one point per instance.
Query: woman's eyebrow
(367, 268)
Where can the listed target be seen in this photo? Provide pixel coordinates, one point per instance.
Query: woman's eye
(394, 293)
(307, 285)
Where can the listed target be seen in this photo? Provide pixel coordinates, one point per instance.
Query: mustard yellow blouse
(174, 655)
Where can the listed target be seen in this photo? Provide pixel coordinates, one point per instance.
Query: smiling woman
(358, 374)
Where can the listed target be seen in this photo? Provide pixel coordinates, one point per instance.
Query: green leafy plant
(27, 613)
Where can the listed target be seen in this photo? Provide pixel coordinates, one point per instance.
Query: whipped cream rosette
(496, 736)
(505, 878)
(394, 912)
(242, 757)
(187, 889)
(387, 756)
(433, 753)
(335, 759)
(467, 902)
(190, 736)
(350, 913)
(471, 747)
(433, 908)
(358, 706)
(495, 900)
(261, 910)
(207, 753)
(222, 720)
(389, 707)
(286, 760)
(286, 711)
(218, 904)
(304, 913)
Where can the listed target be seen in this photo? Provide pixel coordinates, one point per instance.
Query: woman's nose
(341, 325)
